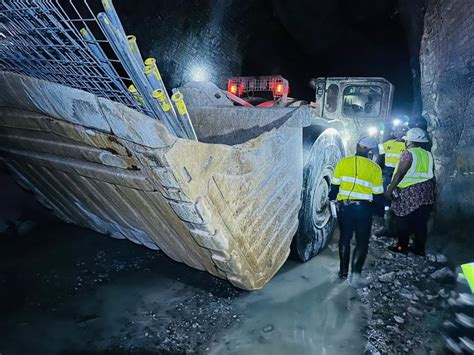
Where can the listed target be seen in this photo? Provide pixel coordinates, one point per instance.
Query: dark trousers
(415, 223)
(354, 219)
(387, 174)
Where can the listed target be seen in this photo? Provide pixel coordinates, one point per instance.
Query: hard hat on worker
(368, 142)
(416, 135)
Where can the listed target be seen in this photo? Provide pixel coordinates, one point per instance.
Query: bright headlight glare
(373, 131)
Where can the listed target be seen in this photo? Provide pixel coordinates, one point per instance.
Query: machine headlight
(373, 131)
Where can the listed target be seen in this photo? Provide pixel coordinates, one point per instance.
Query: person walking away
(390, 151)
(412, 192)
(356, 181)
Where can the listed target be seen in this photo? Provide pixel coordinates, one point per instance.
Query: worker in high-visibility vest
(390, 151)
(393, 148)
(412, 192)
(356, 183)
(468, 273)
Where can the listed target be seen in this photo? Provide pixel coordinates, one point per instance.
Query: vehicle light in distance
(279, 89)
(373, 131)
(232, 88)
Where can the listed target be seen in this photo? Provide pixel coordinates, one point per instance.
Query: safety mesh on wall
(42, 39)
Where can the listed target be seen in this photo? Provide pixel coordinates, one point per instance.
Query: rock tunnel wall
(191, 39)
(446, 59)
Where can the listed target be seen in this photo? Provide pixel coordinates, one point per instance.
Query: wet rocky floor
(65, 289)
(406, 300)
(69, 290)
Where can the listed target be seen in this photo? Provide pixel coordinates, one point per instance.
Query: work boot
(342, 274)
(344, 256)
(358, 258)
(357, 280)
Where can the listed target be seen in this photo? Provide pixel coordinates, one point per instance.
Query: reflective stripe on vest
(359, 195)
(375, 189)
(421, 168)
(362, 187)
(357, 181)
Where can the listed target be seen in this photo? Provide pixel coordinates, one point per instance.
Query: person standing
(356, 181)
(412, 192)
(391, 150)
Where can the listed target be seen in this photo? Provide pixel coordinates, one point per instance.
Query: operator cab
(366, 100)
(356, 106)
(361, 102)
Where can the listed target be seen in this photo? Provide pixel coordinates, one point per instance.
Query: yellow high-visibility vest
(468, 270)
(421, 168)
(392, 149)
(358, 178)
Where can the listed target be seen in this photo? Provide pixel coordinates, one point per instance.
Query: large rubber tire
(322, 150)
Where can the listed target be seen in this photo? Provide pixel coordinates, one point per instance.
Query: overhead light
(199, 73)
(372, 131)
(396, 122)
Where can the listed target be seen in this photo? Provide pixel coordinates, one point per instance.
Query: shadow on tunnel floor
(66, 289)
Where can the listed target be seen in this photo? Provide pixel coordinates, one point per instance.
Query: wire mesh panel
(42, 39)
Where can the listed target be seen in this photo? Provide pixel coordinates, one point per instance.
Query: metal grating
(248, 85)
(42, 39)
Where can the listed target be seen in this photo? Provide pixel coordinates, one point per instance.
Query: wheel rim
(321, 208)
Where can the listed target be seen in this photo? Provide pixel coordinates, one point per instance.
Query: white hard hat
(368, 142)
(416, 135)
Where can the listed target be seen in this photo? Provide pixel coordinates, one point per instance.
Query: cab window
(362, 101)
(331, 98)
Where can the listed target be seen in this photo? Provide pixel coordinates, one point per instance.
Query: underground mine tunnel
(191, 177)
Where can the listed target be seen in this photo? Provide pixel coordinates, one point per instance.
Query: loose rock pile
(195, 322)
(187, 325)
(405, 300)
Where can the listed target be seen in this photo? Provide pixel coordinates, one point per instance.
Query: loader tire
(322, 150)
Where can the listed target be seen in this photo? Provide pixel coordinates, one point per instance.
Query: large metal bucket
(231, 210)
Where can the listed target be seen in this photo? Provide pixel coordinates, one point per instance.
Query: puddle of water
(305, 309)
(147, 302)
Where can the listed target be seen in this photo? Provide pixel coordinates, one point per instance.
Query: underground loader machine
(232, 202)
(223, 181)
(345, 109)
